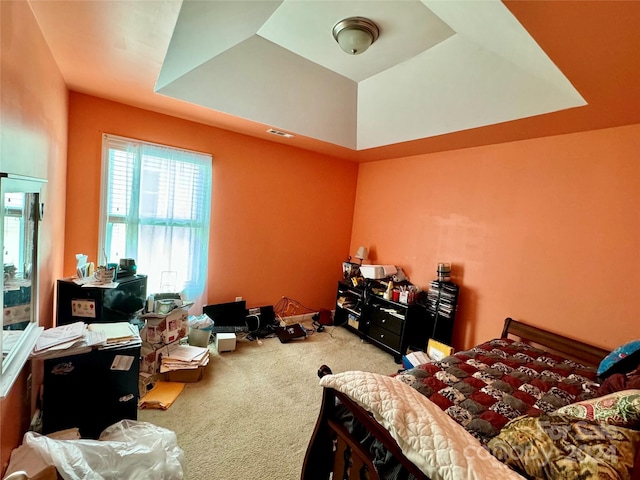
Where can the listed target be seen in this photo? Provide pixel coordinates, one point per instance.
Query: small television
(230, 314)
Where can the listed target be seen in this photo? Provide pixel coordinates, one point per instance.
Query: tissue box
(225, 342)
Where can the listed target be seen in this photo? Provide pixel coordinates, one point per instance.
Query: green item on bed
(565, 447)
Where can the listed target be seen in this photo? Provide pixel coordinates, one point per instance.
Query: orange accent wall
(544, 230)
(33, 115)
(281, 216)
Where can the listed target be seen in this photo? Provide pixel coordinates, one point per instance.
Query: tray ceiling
(443, 74)
(438, 67)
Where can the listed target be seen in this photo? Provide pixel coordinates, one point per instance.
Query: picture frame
(350, 270)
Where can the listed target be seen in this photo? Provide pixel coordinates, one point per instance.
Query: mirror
(21, 213)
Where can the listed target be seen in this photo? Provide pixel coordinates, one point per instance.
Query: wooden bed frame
(331, 442)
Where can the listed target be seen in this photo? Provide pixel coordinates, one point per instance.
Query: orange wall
(545, 230)
(33, 115)
(281, 217)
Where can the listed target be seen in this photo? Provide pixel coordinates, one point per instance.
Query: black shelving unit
(349, 305)
(441, 304)
(390, 325)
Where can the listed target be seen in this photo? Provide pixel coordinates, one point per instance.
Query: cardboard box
(190, 375)
(151, 356)
(167, 328)
(225, 342)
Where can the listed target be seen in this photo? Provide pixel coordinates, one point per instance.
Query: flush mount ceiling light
(355, 34)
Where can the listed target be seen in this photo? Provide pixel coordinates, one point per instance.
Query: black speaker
(260, 318)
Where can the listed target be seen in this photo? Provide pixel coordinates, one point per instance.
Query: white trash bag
(128, 450)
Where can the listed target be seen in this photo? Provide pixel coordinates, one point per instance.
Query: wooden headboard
(573, 349)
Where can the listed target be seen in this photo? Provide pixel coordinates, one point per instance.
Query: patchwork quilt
(429, 438)
(484, 388)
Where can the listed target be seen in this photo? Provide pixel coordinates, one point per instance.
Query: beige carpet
(253, 413)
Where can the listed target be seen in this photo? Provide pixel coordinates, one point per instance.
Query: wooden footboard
(333, 453)
(333, 449)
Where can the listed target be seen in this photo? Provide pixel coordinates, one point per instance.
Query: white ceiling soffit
(438, 67)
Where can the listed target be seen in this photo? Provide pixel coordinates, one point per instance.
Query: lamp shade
(362, 253)
(355, 34)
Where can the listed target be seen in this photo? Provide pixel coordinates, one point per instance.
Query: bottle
(388, 292)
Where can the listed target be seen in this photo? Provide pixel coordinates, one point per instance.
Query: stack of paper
(413, 359)
(63, 335)
(183, 357)
(65, 340)
(117, 334)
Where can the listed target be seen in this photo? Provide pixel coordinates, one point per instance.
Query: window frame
(108, 220)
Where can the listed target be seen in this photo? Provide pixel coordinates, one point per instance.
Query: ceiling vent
(279, 133)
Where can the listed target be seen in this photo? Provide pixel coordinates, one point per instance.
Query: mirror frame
(12, 364)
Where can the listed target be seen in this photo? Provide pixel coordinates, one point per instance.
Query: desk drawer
(387, 321)
(385, 337)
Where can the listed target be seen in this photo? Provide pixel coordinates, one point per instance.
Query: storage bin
(198, 337)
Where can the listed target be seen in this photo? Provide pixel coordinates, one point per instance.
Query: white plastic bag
(201, 322)
(126, 450)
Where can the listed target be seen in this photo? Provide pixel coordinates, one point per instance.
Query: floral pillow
(563, 447)
(619, 408)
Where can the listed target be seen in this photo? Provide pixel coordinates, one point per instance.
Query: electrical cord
(288, 307)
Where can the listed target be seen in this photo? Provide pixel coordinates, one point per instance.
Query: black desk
(90, 391)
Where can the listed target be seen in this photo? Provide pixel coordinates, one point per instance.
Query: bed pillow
(560, 446)
(618, 382)
(618, 408)
(623, 359)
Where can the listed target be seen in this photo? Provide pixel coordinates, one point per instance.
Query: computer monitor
(231, 314)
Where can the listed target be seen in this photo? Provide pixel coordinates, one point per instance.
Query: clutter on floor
(200, 328)
(225, 342)
(163, 349)
(162, 395)
(136, 450)
(291, 332)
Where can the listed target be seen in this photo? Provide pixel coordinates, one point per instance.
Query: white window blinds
(156, 209)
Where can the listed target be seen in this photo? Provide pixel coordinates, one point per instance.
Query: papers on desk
(117, 334)
(77, 338)
(182, 357)
(64, 340)
(93, 282)
(62, 335)
(114, 332)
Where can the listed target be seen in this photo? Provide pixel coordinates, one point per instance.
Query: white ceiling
(249, 66)
(438, 67)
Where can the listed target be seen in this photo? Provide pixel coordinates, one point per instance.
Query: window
(155, 209)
